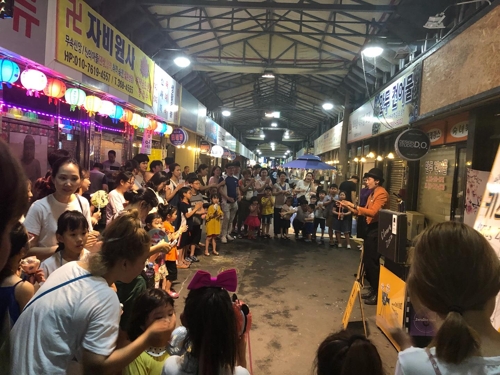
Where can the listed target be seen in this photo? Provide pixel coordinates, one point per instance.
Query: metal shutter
(397, 170)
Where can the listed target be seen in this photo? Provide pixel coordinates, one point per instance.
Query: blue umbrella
(308, 162)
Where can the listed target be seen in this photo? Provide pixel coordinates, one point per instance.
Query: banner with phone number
(88, 43)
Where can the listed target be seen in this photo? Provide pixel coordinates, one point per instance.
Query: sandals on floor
(215, 253)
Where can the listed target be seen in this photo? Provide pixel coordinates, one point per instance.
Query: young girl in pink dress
(252, 219)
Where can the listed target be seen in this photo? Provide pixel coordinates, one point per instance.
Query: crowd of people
(92, 305)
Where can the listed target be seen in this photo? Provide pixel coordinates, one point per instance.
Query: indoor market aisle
(297, 293)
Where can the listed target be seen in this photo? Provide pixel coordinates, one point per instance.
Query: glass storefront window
(437, 172)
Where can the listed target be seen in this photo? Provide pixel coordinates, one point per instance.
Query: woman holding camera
(213, 335)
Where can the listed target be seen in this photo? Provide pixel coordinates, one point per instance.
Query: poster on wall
(391, 108)
(476, 185)
(211, 130)
(202, 119)
(88, 43)
(328, 141)
(32, 152)
(488, 220)
(166, 96)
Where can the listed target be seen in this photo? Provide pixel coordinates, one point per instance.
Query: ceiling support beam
(272, 6)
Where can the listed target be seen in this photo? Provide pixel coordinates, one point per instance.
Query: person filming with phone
(378, 200)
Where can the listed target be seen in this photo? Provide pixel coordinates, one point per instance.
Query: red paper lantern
(55, 89)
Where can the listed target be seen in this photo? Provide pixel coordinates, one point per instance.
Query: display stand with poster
(355, 292)
(488, 221)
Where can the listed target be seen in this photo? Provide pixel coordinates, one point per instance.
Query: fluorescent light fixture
(287, 136)
(274, 124)
(257, 150)
(268, 74)
(275, 114)
(372, 51)
(263, 136)
(226, 113)
(288, 151)
(182, 62)
(273, 144)
(327, 106)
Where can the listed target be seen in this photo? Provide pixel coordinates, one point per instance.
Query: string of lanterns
(35, 81)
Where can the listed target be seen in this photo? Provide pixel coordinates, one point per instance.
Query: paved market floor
(297, 293)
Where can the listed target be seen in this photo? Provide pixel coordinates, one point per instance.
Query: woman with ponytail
(71, 324)
(456, 274)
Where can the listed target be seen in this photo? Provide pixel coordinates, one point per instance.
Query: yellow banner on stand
(88, 43)
(391, 303)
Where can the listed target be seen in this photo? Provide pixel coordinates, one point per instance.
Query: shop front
(443, 171)
(327, 147)
(374, 127)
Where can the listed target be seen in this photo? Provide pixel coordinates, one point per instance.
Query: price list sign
(488, 220)
(88, 43)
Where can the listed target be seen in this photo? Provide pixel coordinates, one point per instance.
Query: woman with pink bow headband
(212, 332)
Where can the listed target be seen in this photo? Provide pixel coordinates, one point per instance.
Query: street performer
(378, 200)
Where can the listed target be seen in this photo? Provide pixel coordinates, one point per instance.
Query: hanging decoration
(117, 114)
(161, 127)
(55, 90)
(127, 115)
(33, 81)
(9, 72)
(107, 108)
(144, 123)
(136, 120)
(153, 124)
(92, 104)
(75, 98)
(169, 130)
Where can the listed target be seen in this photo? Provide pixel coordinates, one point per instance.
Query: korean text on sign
(89, 44)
